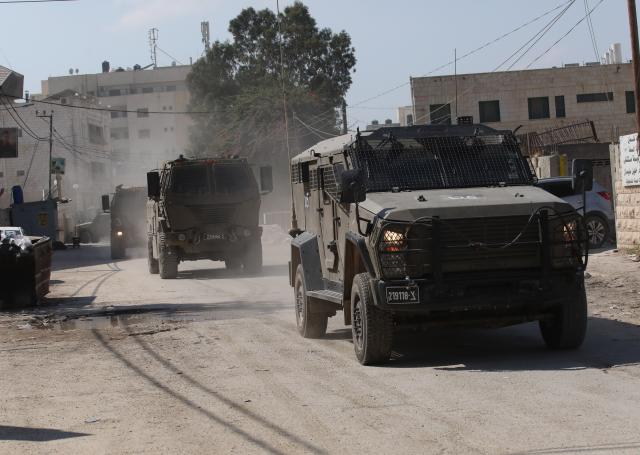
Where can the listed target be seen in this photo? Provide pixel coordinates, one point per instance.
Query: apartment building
(145, 129)
(79, 138)
(534, 100)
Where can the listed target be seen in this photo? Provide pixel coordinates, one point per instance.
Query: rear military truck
(433, 225)
(127, 228)
(205, 209)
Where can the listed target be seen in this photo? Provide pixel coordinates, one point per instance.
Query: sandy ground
(119, 361)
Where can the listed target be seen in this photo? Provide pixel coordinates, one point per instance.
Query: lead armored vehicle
(205, 209)
(429, 225)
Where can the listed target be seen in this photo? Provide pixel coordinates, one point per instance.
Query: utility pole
(50, 117)
(635, 55)
(344, 117)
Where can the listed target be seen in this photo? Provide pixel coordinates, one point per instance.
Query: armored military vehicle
(127, 209)
(205, 209)
(428, 225)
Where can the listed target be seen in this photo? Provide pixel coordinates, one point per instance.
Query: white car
(16, 235)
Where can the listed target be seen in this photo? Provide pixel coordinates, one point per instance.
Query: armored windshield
(440, 162)
(209, 179)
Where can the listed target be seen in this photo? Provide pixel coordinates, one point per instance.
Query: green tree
(239, 82)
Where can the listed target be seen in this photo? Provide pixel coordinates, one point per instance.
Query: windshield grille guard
(440, 162)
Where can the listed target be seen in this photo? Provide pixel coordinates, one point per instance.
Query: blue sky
(393, 39)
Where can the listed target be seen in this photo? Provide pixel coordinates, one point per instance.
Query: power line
(102, 109)
(445, 65)
(565, 35)
(34, 1)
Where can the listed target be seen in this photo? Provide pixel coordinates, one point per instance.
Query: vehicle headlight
(119, 233)
(392, 240)
(568, 239)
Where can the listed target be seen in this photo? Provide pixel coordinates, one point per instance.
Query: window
(96, 134)
(440, 114)
(115, 92)
(560, 111)
(560, 188)
(1, 174)
(631, 101)
(170, 88)
(20, 173)
(164, 108)
(410, 120)
(119, 133)
(538, 107)
(170, 108)
(19, 132)
(91, 93)
(593, 97)
(98, 170)
(133, 90)
(144, 134)
(489, 111)
(147, 89)
(143, 112)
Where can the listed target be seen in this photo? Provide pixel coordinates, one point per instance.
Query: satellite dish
(70, 70)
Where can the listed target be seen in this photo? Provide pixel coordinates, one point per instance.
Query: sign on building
(629, 160)
(57, 165)
(8, 142)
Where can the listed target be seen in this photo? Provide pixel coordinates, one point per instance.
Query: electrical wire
(318, 132)
(102, 109)
(8, 2)
(592, 34)
(451, 62)
(565, 35)
(169, 55)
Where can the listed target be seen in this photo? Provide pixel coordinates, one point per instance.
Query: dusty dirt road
(119, 361)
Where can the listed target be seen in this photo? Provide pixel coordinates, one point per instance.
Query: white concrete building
(79, 138)
(538, 99)
(140, 140)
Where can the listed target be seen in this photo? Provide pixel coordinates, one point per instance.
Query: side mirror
(106, 205)
(352, 187)
(582, 175)
(266, 179)
(153, 185)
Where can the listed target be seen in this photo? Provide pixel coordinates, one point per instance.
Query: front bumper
(498, 290)
(212, 238)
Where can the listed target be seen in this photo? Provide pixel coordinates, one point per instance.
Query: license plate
(403, 294)
(213, 236)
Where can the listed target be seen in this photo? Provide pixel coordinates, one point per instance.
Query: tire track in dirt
(341, 384)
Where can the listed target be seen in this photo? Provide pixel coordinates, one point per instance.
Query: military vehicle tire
(117, 248)
(252, 260)
(310, 325)
(232, 263)
(372, 328)
(567, 329)
(154, 268)
(168, 263)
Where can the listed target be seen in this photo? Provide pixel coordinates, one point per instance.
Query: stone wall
(627, 205)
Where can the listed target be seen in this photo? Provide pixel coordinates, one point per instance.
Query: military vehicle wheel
(310, 325)
(232, 263)
(167, 261)
(117, 248)
(568, 327)
(371, 327)
(252, 260)
(153, 262)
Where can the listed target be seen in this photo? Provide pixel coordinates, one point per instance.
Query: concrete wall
(513, 88)
(627, 206)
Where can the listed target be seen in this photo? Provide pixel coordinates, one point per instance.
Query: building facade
(79, 138)
(535, 100)
(140, 139)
